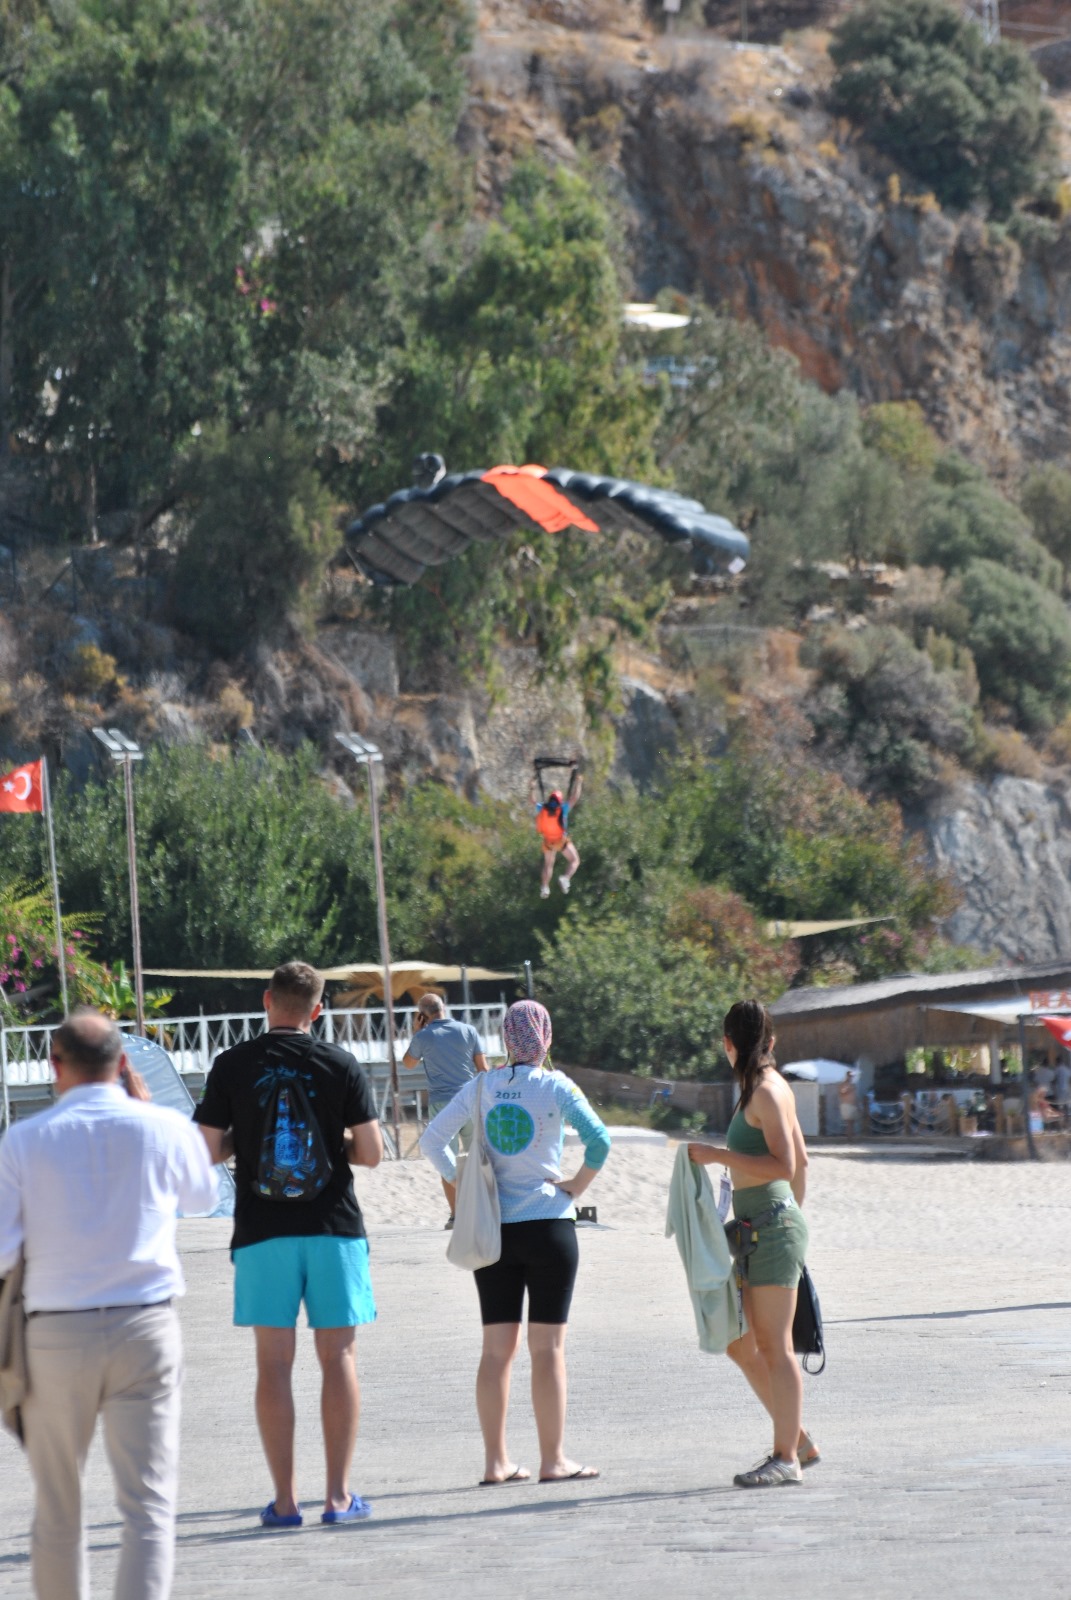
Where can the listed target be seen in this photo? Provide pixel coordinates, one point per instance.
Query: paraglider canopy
(421, 527)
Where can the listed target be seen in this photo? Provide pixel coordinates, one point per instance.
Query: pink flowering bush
(29, 976)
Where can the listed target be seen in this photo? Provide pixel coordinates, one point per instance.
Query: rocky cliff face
(737, 184)
(1007, 845)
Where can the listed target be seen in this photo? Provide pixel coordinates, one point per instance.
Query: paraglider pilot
(552, 825)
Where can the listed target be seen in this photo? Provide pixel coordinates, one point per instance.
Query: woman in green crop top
(767, 1158)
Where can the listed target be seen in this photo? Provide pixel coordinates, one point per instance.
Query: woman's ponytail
(749, 1028)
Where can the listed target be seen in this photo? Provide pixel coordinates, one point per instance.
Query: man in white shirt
(89, 1192)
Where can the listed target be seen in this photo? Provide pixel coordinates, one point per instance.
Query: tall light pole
(368, 754)
(987, 15)
(126, 752)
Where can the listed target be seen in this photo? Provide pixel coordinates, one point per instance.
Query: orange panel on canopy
(541, 502)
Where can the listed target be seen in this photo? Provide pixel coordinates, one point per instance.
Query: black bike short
(541, 1257)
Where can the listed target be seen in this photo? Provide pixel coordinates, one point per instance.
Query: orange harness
(550, 827)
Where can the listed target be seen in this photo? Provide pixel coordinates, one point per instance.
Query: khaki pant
(125, 1365)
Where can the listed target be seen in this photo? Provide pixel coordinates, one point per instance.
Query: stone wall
(1007, 846)
(740, 186)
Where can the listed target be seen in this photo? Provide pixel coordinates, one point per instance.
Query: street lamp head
(360, 749)
(118, 746)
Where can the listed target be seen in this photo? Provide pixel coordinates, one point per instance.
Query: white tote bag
(476, 1240)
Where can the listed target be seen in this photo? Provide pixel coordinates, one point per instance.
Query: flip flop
(357, 1511)
(270, 1518)
(518, 1475)
(570, 1477)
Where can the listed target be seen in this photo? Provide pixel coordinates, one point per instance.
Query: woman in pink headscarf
(525, 1108)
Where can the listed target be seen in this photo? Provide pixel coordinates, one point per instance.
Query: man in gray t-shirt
(451, 1054)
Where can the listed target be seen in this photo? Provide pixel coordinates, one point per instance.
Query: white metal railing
(194, 1042)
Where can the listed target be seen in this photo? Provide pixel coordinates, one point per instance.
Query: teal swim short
(331, 1275)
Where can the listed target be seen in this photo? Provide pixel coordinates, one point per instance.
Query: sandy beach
(944, 1414)
(910, 1208)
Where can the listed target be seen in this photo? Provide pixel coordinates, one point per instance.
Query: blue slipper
(356, 1511)
(270, 1518)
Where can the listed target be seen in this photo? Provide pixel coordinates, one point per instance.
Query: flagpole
(60, 953)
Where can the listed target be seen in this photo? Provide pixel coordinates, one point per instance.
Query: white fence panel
(194, 1042)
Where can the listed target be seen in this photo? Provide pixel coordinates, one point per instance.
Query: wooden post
(61, 954)
(7, 355)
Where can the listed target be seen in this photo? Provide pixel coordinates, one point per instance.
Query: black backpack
(294, 1163)
(808, 1339)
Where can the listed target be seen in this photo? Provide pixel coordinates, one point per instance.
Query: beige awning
(362, 978)
(802, 930)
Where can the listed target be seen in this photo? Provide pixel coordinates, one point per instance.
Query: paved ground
(944, 1415)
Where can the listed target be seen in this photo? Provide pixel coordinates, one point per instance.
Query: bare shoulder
(773, 1094)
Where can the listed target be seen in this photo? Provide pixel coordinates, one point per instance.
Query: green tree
(960, 517)
(261, 531)
(211, 217)
(799, 843)
(814, 491)
(1020, 637)
(516, 354)
(898, 430)
(965, 118)
(1046, 499)
(242, 861)
(729, 394)
(882, 707)
(627, 1000)
(120, 188)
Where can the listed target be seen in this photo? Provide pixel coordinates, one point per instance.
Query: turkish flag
(22, 790)
(1061, 1027)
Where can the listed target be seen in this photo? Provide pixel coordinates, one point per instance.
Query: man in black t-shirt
(296, 1113)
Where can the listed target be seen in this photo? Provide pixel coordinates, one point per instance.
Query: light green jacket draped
(692, 1218)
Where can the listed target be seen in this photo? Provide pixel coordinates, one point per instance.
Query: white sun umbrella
(816, 1071)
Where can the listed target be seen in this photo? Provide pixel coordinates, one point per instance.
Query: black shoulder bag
(808, 1340)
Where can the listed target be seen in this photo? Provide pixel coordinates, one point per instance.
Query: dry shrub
(724, 925)
(756, 133)
(234, 710)
(603, 131)
(783, 656)
(33, 700)
(1058, 744)
(92, 671)
(9, 650)
(584, 14)
(138, 710)
(1007, 751)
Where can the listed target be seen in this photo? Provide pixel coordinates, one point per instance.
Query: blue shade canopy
(165, 1084)
(395, 542)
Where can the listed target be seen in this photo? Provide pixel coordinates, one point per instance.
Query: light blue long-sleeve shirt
(525, 1111)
